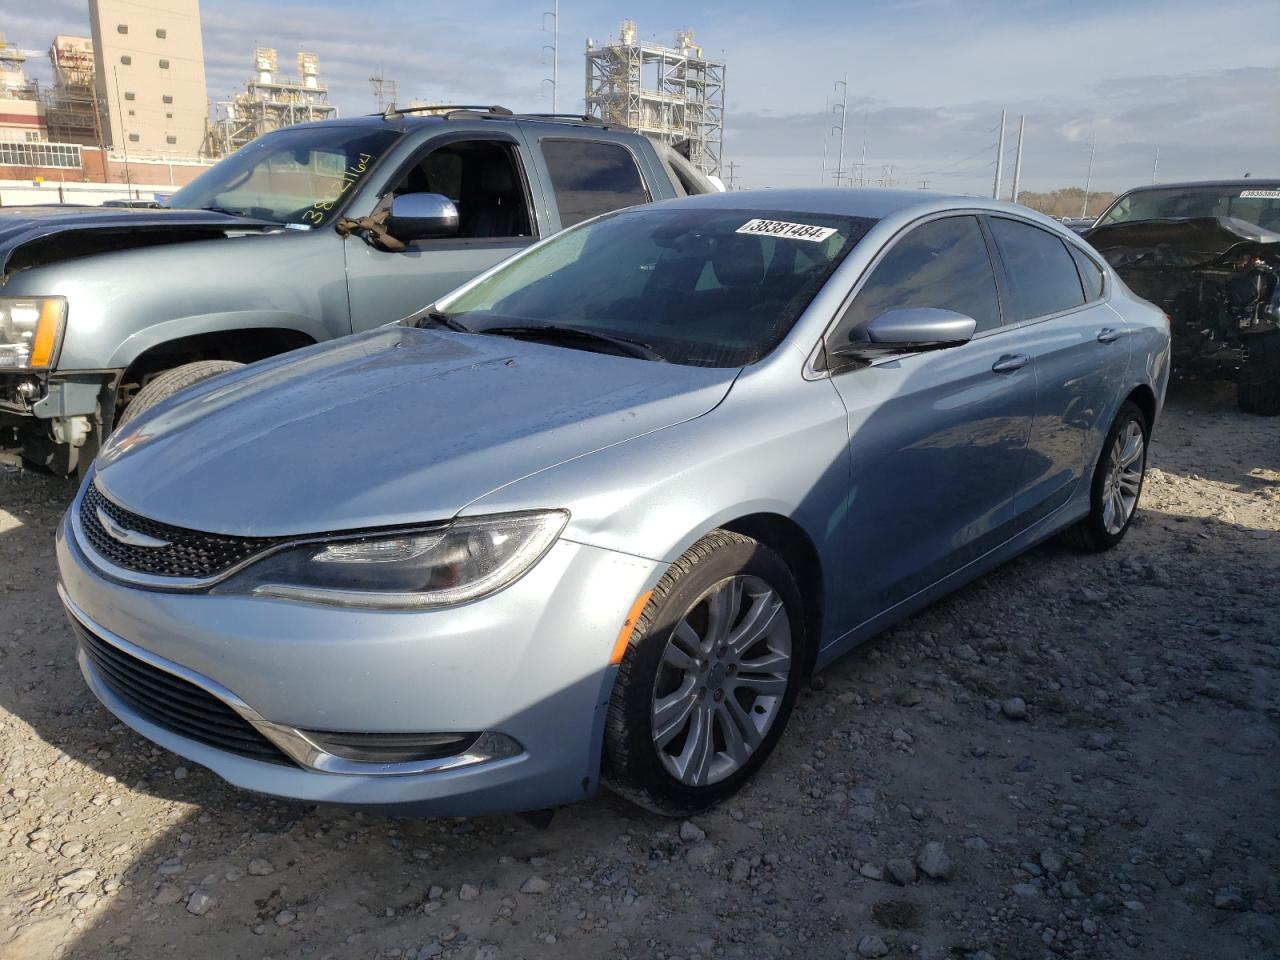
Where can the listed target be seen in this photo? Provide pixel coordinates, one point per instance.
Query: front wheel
(1117, 482)
(708, 681)
(173, 381)
(1258, 388)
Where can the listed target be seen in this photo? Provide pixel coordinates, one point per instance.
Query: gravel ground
(1074, 757)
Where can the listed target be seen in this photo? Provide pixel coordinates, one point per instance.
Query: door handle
(1010, 362)
(1108, 334)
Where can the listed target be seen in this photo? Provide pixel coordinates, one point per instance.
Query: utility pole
(822, 178)
(124, 136)
(1088, 177)
(1017, 158)
(1155, 165)
(732, 175)
(995, 190)
(844, 115)
(554, 47)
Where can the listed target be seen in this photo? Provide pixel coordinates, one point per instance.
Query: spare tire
(174, 381)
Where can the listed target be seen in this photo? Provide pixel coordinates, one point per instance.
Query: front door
(485, 178)
(937, 438)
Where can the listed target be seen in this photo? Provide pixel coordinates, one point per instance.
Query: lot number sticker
(789, 231)
(1260, 195)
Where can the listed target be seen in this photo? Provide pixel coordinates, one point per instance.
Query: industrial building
(271, 101)
(71, 108)
(149, 60)
(21, 111)
(673, 94)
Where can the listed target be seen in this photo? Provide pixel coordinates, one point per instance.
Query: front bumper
(530, 662)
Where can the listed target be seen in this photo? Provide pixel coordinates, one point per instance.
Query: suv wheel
(706, 686)
(173, 381)
(1258, 389)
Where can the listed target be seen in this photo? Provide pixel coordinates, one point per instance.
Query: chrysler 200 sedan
(595, 515)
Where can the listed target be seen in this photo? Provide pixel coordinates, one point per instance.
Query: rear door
(1080, 348)
(486, 173)
(937, 438)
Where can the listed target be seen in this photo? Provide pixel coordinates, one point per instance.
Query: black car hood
(30, 236)
(1191, 242)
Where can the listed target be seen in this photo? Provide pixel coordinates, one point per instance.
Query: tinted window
(943, 264)
(1042, 275)
(590, 178)
(1090, 273)
(704, 287)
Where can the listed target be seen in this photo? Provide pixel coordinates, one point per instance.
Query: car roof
(1244, 183)
(874, 202)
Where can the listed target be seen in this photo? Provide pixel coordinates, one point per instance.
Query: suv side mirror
(422, 216)
(909, 328)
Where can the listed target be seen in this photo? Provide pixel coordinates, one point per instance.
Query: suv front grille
(188, 554)
(169, 701)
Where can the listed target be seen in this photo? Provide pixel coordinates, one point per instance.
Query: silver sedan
(594, 516)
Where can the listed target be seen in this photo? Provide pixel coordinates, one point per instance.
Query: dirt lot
(1077, 756)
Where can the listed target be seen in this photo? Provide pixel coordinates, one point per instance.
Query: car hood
(1190, 242)
(31, 236)
(395, 426)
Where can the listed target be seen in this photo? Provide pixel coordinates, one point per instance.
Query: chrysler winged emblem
(132, 537)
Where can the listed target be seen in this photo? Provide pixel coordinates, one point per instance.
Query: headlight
(30, 331)
(463, 561)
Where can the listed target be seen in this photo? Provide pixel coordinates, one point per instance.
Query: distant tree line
(1066, 202)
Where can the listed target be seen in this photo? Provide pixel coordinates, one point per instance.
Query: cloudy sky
(927, 78)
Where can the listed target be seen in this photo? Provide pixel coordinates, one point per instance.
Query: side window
(482, 178)
(590, 178)
(1042, 275)
(943, 263)
(1091, 274)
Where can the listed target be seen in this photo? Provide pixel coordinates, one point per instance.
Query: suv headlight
(31, 331)
(463, 561)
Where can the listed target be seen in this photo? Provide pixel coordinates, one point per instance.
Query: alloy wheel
(721, 681)
(1123, 479)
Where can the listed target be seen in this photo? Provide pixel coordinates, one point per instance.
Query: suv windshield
(1258, 205)
(707, 287)
(295, 175)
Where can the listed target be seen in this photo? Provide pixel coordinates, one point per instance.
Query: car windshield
(1257, 205)
(698, 286)
(296, 175)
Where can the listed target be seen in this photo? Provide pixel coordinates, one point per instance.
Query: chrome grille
(188, 554)
(173, 703)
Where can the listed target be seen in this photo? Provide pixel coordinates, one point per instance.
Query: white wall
(15, 193)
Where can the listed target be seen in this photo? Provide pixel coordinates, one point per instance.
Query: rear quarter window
(1091, 275)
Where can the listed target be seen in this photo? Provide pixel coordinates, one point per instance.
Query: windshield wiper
(559, 333)
(433, 319)
(228, 212)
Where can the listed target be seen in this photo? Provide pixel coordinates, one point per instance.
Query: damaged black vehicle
(1209, 255)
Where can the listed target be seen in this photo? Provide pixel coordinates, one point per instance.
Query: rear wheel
(1117, 482)
(706, 686)
(174, 381)
(1258, 389)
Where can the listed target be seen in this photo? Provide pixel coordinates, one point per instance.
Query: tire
(688, 602)
(1099, 530)
(1258, 389)
(173, 381)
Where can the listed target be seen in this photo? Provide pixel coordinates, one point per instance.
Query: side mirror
(422, 216)
(909, 329)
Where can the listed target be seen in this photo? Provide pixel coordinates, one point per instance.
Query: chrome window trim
(292, 742)
(811, 369)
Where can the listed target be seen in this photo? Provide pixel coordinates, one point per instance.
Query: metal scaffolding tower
(72, 111)
(672, 94)
(270, 102)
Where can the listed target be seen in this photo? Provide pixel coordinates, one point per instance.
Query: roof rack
(392, 111)
(581, 118)
(492, 112)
